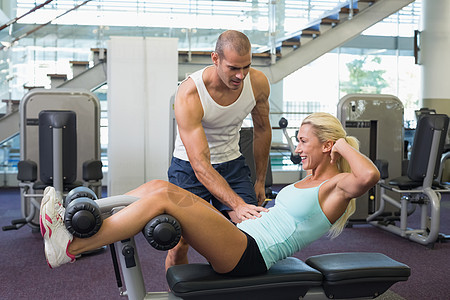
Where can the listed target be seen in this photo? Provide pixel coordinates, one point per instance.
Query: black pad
(83, 218)
(66, 120)
(287, 279)
(351, 275)
(27, 170)
(246, 149)
(163, 232)
(404, 183)
(421, 150)
(92, 170)
(382, 166)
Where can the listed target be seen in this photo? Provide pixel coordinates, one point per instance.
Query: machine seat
(290, 278)
(341, 275)
(405, 183)
(354, 275)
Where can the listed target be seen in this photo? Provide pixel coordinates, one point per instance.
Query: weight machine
(53, 125)
(339, 275)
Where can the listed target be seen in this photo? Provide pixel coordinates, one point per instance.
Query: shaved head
(234, 40)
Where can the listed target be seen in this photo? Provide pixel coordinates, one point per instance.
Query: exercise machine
(419, 187)
(59, 147)
(246, 149)
(338, 276)
(377, 122)
(295, 157)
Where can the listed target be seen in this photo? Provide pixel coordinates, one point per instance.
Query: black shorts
(251, 262)
(235, 172)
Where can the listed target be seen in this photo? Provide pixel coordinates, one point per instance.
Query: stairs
(89, 79)
(86, 77)
(298, 49)
(293, 51)
(9, 122)
(332, 38)
(83, 78)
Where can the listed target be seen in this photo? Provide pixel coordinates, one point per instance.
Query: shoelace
(59, 208)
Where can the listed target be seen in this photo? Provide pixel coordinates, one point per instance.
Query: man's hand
(246, 211)
(260, 191)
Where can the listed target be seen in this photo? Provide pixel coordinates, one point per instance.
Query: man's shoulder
(187, 99)
(258, 77)
(187, 88)
(260, 83)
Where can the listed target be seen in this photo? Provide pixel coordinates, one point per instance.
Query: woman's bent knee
(155, 185)
(150, 188)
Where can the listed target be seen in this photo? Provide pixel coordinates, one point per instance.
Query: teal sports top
(294, 222)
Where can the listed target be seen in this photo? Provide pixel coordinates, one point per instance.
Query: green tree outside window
(362, 80)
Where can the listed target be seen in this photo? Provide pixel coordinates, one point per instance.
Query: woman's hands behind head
(335, 154)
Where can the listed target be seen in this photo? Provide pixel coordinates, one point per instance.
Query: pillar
(435, 55)
(142, 78)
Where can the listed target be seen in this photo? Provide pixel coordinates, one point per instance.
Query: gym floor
(25, 274)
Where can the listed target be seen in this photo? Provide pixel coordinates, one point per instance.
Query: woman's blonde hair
(329, 128)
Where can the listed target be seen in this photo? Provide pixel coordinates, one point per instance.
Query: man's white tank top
(221, 123)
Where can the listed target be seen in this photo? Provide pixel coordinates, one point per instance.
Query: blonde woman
(303, 212)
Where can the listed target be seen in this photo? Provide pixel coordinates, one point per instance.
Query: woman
(304, 211)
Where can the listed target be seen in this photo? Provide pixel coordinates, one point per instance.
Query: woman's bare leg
(178, 255)
(204, 228)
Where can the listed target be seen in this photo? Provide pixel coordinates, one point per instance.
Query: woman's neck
(322, 173)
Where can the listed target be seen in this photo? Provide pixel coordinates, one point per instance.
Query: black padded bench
(358, 274)
(340, 275)
(337, 275)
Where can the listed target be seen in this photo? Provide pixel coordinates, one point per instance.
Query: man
(210, 106)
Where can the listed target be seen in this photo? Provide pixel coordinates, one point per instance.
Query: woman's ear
(327, 146)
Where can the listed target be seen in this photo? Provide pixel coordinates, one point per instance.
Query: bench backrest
(65, 120)
(421, 151)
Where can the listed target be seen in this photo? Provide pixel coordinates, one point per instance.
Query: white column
(142, 77)
(276, 105)
(435, 55)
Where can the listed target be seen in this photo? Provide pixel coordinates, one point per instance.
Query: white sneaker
(56, 237)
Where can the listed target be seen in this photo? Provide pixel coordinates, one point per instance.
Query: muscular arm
(262, 132)
(364, 174)
(188, 113)
(346, 186)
